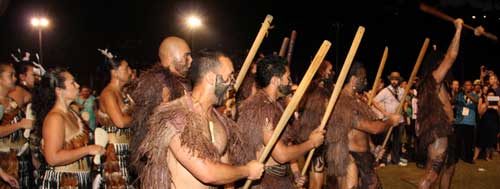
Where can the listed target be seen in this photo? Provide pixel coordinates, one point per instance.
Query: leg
(488, 153)
(411, 140)
(419, 155)
(350, 180)
(447, 176)
(436, 157)
(396, 143)
(366, 172)
(316, 180)
(460, 133)
(317, 173)
(469, 142)
(476, 153)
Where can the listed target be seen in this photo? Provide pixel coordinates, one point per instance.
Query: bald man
(163, 82)
(175, 55)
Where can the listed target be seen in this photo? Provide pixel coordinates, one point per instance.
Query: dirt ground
(466, 175)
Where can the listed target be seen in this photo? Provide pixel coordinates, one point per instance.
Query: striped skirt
(66, 180)
(115, 165)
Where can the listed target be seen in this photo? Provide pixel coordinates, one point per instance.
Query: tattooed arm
(451, 54)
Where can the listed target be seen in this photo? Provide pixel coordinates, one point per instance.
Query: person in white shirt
(389, 99)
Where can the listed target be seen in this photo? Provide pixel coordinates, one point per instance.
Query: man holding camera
(465, 121)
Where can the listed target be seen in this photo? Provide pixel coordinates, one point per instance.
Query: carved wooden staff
(293, 37)
(338, 88)
(431, 10)
(379, 74)
(410, 84)
(284, 46)
(318, 59)
(253, 50)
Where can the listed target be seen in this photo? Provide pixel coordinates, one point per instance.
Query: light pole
(40, 23)
(193, 22)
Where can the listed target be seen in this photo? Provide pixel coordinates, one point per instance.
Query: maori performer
(165, 81)
(435, 117)
(259, 114)
(65, 137)
(190, 144)
(114, 117)
(25, 75)
(349, 156)
(28, 74)
(311, 110)
(11, 132)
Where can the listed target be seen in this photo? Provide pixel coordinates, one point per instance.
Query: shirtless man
(312, 108)
(165, 81)
(190, 144)
(349, 156)
(435, 118)
(259, 115)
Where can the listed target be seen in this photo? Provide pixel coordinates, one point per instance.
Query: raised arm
(451, 54)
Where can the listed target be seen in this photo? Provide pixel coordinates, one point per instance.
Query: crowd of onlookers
(476, 119)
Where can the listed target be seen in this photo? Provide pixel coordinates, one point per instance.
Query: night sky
(134, 29)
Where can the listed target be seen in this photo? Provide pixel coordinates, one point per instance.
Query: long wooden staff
(338, 88)
(410, 84)
(253, 50)
(379, 74)
(284, 46)
(318, 59)
(293, 37)
(431, 10)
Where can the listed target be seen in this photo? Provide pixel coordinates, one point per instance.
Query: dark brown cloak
(347, 113)
(253, 114)
(431, 117)
(146, 92)
(178, 118)
(312, 108)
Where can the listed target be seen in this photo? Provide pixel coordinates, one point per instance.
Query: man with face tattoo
(311, 110)
(259, 115)
(349, 156)
(165, 81)
(189, 143)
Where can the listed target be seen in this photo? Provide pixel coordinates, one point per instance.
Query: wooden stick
(293, 37)
(318, 59)
(431, 10)
(410, 84)
(253, 50)
(379, 74)
(338, 89)
(284, 46)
